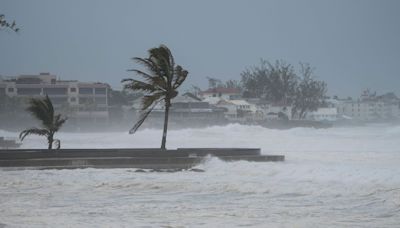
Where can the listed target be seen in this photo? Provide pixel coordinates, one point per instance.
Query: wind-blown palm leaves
(43, 110)
(5, 24)
(161, 79)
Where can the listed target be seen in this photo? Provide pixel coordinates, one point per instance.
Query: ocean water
(338, 177)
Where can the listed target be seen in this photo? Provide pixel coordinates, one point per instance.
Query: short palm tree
(161, 79)
(43, 110)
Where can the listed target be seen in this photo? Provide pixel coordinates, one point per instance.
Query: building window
(100, 91)
(55, 91)
(72, 90)
(29, 91)
(58, 100)
(28, 80)
(85, 90)
(11, 90)
(72, 99)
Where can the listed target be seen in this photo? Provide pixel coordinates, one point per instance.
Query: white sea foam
(338, 177)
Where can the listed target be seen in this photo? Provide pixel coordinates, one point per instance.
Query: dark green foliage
(43, 110)
(273, 82)
(233, 84)
(217, 83)
(279, 84)
(310, 93)
(214, 83)
(160, 80)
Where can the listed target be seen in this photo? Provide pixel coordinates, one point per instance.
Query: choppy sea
(337, 177)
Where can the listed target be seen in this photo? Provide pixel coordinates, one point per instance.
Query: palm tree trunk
(50, 141)
(164, 137)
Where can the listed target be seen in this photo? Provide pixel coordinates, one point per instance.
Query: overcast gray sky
(353, 44)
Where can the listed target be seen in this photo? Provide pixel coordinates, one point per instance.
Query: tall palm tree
(43, 110)
(161, 79)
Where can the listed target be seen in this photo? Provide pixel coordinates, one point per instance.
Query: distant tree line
(280, 84)
(217, 83)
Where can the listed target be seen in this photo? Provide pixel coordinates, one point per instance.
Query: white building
(370, 107)
(88, 100)
(269, 111)
(235, 110)
(369, 110)
(323, 114)
(223, 93)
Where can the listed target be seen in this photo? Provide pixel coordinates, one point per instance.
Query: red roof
(221, 90)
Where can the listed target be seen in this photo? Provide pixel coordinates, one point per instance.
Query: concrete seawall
(145, 158)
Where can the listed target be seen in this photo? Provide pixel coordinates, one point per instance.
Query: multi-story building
(370, 107)
(79, 99)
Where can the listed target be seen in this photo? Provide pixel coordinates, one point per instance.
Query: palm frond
(180, 76)
(164, 60)
(142, 118)
(139, 85)
(58, 121)
(149, 64)
(158, 82)
(43, 110)
(33, 131)
(166, 55)
(147, 101)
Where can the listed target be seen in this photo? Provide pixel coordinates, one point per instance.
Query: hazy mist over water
(337, 177)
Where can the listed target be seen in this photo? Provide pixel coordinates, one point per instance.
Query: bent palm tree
(161, 81)
(43, 110)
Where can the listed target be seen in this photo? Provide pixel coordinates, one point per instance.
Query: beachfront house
(220, 92)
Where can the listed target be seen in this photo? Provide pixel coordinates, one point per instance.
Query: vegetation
(217, 83)
(5, 24)
(232, 84)
(161, 79)
(310, 93)
(279, 84)
(43, 110)
(273, 82)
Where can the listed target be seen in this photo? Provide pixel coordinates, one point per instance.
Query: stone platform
(144, 158)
